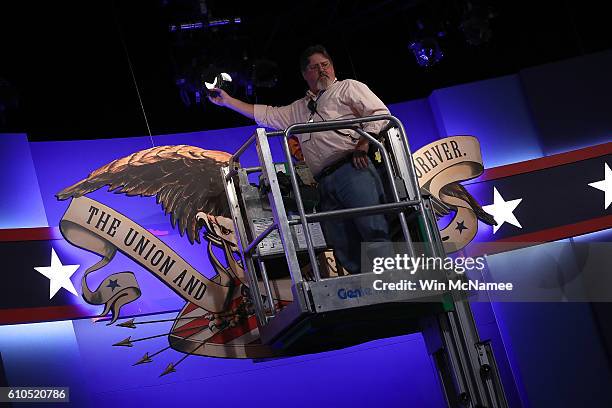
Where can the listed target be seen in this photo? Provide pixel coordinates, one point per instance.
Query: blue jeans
(349, 187)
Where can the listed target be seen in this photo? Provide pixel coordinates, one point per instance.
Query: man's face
(319, 73)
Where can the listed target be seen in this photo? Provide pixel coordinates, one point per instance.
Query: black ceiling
(69, 70)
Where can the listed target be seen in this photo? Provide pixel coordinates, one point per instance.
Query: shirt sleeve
(365, 103)
(276, 117)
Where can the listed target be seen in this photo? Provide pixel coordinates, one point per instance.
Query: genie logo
(344, 293)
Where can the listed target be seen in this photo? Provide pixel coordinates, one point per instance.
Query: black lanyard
(312, 107)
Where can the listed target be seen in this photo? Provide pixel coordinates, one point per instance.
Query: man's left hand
(360, 156)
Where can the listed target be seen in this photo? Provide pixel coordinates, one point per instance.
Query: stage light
(427, 51)
(200, 25)
(225, 21)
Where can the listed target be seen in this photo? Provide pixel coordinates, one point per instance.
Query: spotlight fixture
(202, 25)
(427, 51)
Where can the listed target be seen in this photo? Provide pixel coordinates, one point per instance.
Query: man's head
(317, 68)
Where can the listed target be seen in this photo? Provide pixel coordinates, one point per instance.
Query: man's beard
(323, 83)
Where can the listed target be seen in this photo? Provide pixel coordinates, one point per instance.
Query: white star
(58, 275)
(605, 185)
(502, 210)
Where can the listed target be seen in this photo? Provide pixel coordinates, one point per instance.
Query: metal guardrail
(396, 206)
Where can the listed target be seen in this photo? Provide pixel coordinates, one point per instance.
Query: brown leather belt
(333, 167)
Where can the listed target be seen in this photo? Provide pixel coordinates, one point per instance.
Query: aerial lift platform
(280, 235)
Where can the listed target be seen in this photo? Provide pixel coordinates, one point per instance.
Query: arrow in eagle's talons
(191, 353)
(125, 343)
(132, 324)
(148, 358)
(168, 370)
(128, 341)
(129, 324)
(145, 359)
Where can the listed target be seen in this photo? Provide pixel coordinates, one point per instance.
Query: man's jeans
(348, 187)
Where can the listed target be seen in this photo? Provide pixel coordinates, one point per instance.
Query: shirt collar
(312, 95)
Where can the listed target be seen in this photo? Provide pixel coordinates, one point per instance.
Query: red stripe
(197, 323)
(191, 328)
(189, 308)
(538, 237)
(564, 231)
(54, 313)
(43, 234)
(40, 314)
(30, 234)
(544, 162)
(233, 333)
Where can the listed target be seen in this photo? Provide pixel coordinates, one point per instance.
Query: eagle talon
(458, 191)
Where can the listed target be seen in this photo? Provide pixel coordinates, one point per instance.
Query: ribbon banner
(95, 227)
(441, 164)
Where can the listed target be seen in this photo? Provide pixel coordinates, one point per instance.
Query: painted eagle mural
(186, 181)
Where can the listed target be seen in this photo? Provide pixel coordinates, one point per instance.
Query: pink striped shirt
(345, 99)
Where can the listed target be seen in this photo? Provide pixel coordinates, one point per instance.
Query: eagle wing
(185, 180)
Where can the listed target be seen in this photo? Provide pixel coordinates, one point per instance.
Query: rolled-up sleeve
(276, 117)
(366, 103)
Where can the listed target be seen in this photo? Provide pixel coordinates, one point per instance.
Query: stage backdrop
(514, 120)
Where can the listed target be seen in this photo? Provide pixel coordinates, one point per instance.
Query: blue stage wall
(495, 112)
(569, 101)
(21, 203)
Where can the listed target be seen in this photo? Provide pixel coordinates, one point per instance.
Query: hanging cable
(127, 56)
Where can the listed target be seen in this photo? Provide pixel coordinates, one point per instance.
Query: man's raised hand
(218, 97)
